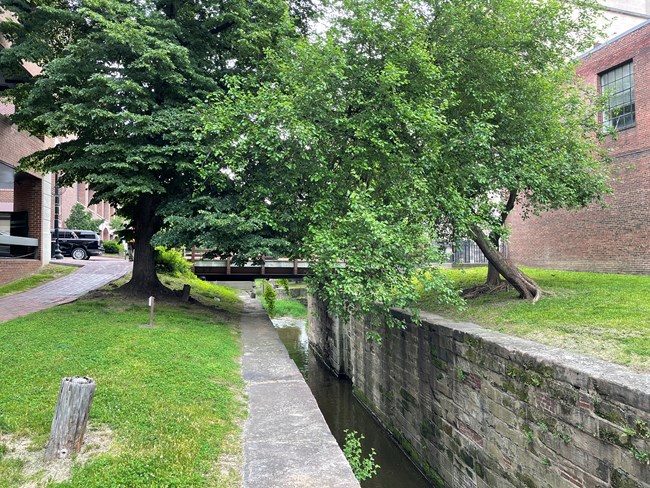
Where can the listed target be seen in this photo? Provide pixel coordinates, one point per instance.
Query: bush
(284, 283)
(171, 261)
(269, 298)
(112, 247)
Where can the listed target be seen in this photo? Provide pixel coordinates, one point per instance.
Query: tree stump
(186, 293)
(70, 417)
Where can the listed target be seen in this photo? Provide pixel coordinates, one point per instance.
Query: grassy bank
(170, 396)
(48, 273)
(602, 315)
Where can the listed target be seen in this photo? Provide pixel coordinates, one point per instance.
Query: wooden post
(70, 417)
(151, 306)
(186, 293)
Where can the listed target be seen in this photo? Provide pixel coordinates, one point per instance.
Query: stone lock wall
(476, 408)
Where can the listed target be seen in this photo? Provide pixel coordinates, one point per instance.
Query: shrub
(284, 283)
(171, 261)
(363, 468)
(269, 298)
(112, 247)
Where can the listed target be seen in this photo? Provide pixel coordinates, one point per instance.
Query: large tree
(405, 119)
(522, 130)
(120, 79)
(334, 155)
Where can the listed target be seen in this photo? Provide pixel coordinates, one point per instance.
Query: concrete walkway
(287, 443)
(93, 274)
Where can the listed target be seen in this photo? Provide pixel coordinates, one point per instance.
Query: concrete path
(93, 274)
(287, 443)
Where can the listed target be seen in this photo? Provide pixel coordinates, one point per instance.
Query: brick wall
(12, 269)
(476, 408)
(29, 197)
(617, 238)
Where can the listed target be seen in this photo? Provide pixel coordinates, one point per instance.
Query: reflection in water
(342, 411)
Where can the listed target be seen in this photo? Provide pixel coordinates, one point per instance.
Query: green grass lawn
(171, 395)
(47, 273)
(602, 315)
(290, 308)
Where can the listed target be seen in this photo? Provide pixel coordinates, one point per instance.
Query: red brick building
(26, 197)
(617, 238)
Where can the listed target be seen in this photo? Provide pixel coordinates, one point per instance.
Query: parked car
(79, 244)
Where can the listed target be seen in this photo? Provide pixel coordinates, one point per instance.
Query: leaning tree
(523, 131)
(120, 80)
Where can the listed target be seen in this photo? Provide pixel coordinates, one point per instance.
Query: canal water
(343, 411)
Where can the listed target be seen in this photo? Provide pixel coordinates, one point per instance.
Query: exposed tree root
(484, 289)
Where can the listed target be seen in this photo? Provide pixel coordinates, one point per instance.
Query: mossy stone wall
(476, 408)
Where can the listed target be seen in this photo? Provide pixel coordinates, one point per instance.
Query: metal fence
(468, 252)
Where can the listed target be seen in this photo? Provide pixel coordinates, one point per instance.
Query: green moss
(437, 362)
(521, 393)
(428, 430)
(608, 413)
(527, 481)
(613, 437)
(620, 479)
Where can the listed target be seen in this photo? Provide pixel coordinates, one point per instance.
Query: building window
(618, 85)
(6, 177)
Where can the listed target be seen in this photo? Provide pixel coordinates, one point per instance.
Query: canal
(343, 411)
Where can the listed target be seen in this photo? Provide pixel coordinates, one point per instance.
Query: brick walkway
(93, 274)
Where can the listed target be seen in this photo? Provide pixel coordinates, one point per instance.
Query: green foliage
(206, 292)
(82, 219)
(269, 295)
(363, 468)
(124, 78)
(406, 123)
(48, 273)
(284, 283)
(172, 261)
(640, 455)
(120, 227)
(170, 395)
(112, 247)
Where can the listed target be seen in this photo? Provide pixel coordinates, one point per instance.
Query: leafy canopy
(120, 79)
(402, 126)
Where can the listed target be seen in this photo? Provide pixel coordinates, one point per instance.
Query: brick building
(26, 197)
(617, 238)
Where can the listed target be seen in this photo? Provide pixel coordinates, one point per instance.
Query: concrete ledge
(287, 443)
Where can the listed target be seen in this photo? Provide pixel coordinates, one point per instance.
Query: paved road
(92, 274)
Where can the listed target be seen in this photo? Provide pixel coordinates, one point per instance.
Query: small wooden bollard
(186, 293)
(70, 417)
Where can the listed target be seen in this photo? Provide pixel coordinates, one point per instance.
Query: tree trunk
(526, 286)
(493, 276)
(70, 417)
(144, 280)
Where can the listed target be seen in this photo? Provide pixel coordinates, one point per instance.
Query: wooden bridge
(224, 270)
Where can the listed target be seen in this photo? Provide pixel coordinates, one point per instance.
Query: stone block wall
(476, 408)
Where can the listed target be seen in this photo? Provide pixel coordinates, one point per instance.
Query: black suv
(80, 244)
